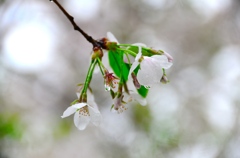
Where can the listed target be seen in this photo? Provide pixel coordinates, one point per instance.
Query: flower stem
(101, 66)
(83, 96)
(148, 51)
(129, 52)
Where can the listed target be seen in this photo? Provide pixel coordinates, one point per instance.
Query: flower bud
(97, 53)
(108, 45)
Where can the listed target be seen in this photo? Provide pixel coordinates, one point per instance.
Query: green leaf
(120, 68)
(143, 91)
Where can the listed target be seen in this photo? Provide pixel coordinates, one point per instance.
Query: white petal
(69, 111)
(133, 67)
(139, 98)
(95, 115)
(149, 73)
(161, 61)
(90, 98)
(81, 121)
(78, 94)
(79, 105)
(136, 62)
(111, 37)
(139, 54)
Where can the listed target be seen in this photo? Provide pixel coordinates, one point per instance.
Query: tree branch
(75, 26)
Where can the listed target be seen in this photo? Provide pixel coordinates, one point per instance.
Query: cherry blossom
(151, 68)
(119, 102)
(84, 113)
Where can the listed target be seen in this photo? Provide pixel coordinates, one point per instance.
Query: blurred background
(42, 59)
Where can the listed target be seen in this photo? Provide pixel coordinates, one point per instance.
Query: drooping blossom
(151, 68)
(120, 102)
(84, 113)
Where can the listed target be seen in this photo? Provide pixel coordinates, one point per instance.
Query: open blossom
(150, 71)
(119, 102)
(84, 113)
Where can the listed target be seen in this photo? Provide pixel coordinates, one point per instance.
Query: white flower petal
(136, 62)
(111, 37)
(69, 111)
(79, 105)
(161, 61)
(81, 121)
(78, 94)
(95, 115)
(149, 73)
(139, 98)
(133, 67)
(90, 98)
(139, 54)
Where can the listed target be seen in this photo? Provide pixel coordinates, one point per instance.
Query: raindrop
(107, 87)
(147, 87)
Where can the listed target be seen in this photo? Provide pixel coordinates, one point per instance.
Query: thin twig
(75, 26)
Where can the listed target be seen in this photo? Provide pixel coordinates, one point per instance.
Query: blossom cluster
(141, 65)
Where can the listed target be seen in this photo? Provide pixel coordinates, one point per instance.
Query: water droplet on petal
(147, 87)
(107, 87)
